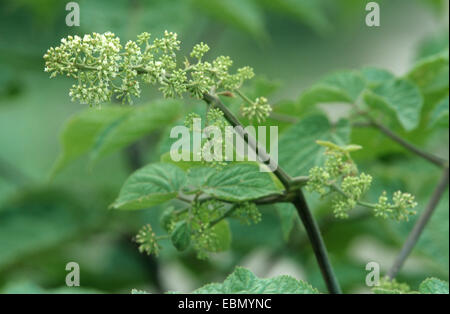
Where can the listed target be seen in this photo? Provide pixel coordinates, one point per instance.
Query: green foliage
(41, 220)
(245, 16)
(439, 115)
(100, 132)
(243, 281)
(428, 286)
(237, 183)
(204, 198)
(160, 182)
(298, 151)
(382, 94)
(149, 186)
(433, 286)
(399, 96)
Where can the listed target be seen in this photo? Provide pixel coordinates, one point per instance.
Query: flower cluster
(400, 209)
(247, 213)
(104, 68)
(147, 241)
(340, 176)
(257, 110)
(200, 226)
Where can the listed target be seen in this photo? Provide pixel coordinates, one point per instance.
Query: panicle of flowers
(104, 69)
(340, 176)
(147, 241)
(400, 208)
(257, 110)
(247, 213)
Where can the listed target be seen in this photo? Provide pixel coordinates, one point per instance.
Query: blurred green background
(45, 223)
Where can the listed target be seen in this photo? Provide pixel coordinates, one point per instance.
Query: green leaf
(298, 150)
(375, 76)
(185, 165)
(149, 186)
(431, 74)
(433, 286)
(79, 134)
(399, 96)
(309, 12)
(222, 239)
(244, 15)
(439, 116)
(243, 281)
(102, 131)
(133, 126)
(428, 286)
(340, 87)
(236, 182)
(351, 83)
(181, 236)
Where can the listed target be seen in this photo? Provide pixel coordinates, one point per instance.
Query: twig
(317, 243)
(415, 233)
(250, 140)
(299, 201)
(436, 160)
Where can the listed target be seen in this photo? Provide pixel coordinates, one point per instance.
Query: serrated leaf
(433, 286)
(236, 182)
(298, 150)
(133, 126)
(149, 186)
(243, 281)
(181, 236)
(399, 96)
